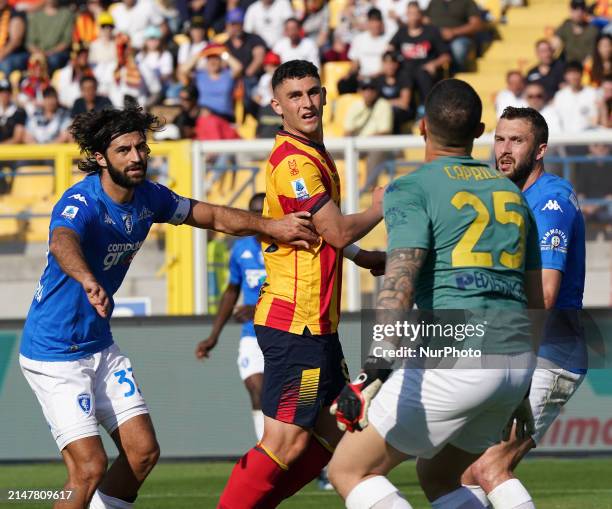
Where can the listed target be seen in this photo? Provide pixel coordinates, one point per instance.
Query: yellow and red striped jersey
(302, 287)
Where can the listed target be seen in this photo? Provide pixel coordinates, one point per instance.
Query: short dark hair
(573, 66)
(293, 20)
(85, 79)
(513, 72)
(255, 198)
(393, 55)
(375, 13)
(49, 92)
(414, 3)
(192, 92)
(539, 125)
(543, 41)
(453, 111)
(294, 69)
(95, 130)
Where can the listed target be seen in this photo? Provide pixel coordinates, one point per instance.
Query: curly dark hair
(95, 130)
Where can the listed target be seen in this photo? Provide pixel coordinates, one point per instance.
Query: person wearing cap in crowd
(249, 50)
(371, 116)
(12, 117)
(13, 54)
(196, 31)
(133, 17)
(155, 65)
(294, 46)
(268, 122)
(576, 37)
(69, 76)
(89, 100)
(215, 82)
(103, 53)
(266, 18)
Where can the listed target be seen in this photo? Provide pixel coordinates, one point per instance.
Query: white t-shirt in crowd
(268, 21)
(507, 98)
(153, 65)
(577, 110)
(134, 21)
(397, 7)
(368, 51)
(68, 89)
(306, 50)
(552, 119)
(187, 50)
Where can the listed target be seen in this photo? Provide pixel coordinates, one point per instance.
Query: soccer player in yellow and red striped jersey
(297, 314)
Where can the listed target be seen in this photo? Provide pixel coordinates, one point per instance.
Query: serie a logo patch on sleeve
(299, 189)
(70, 212)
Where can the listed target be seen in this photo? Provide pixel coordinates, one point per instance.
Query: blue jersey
(562, 245)
(61, 324)
(248, 271)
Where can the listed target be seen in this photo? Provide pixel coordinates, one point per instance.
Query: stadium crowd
(203, 57)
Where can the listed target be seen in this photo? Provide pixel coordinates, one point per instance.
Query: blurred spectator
(268, 122)
(103, 53)
(13, 55)
(212, 12)
(394, 14)
(89, 100)
(604, 105)
(366, 52)
(459, 21)
(12, 118)
(372, 116)
(512, 95)
(424, 52)
(128, 83)
(215, 83)
(266, 18)
(576, 37)
(536, 98)
(315, 22)
(155, 65)
(294, 46)
(132, 17)
(170, 14)
(249, 50)
(576, 105)
(353, 19)
(395, 87)
(50, 34)
(186, 119)
(602, 60)
(69, 77)
(50, 122)
(548, 71)
(35, 82)
(338, 51)
(85, 26)
(197, 40)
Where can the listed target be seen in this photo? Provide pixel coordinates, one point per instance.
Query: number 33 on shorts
(127, 377)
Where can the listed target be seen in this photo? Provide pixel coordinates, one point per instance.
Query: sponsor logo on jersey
(299, 189)
(84, 402)
(70, 212)
(552, 205)
(247, 255)
(554, 240)
(108, 219)
(128, 222)
(484, 281)
(79, 197)
(254, 277)
(145, 213)
(293, 169)
(120, 254)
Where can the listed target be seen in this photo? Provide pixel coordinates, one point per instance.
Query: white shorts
(550, 390)
(250, 359)
(76, 396)
(419, 411)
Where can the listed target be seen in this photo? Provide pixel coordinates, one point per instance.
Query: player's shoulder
(553, 194)
(83, 193)
(289, 156)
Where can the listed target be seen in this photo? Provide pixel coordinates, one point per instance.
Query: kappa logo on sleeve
(70, 212)
(299, 189)
(79, 197)
(552, 205)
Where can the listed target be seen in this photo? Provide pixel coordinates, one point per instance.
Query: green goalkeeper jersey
(478, 229)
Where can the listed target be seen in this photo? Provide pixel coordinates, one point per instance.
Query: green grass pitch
(554, 484)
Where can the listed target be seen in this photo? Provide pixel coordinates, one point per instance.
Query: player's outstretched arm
(65, 246)
(226, 306)
(295, 229)
(341, 230)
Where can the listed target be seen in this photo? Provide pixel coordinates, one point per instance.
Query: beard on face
(523, 168)
(122, 179)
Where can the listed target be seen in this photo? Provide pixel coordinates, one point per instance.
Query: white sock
(511, 494)
(258, 421)
(102, 501)
(393, 501)
(479, 493)
(461, 498)
(367, 494)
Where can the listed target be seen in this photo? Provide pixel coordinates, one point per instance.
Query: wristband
(351, 251)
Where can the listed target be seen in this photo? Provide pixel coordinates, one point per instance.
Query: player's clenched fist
(351, 406)
(97, 297)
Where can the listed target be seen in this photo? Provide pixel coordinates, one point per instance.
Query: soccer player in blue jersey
(68, 355)
(247, 273)
(521, 139)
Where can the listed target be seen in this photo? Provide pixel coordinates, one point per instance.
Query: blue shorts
(302, 374)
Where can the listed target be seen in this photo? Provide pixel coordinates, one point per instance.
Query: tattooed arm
(401, 274)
